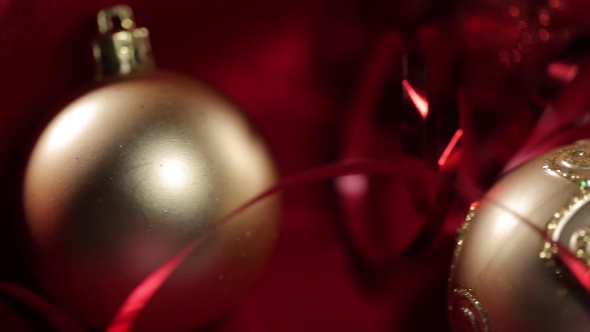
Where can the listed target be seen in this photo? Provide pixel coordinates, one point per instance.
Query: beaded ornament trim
(573, 164)
(480, 316)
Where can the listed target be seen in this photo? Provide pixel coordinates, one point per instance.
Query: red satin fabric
(310, 74)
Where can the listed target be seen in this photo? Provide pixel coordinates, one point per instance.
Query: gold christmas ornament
(505, 276)
(133, 170)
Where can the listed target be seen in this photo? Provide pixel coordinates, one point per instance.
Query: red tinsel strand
(134, 304)
(131, 309)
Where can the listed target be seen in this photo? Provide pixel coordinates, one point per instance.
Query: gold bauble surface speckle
(508, 268)
(129, 173)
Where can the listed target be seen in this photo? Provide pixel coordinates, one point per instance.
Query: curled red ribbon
(132, 307)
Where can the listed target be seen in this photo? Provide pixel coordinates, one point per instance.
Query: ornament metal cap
(121, 48)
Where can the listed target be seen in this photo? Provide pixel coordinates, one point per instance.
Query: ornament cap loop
(121, 47)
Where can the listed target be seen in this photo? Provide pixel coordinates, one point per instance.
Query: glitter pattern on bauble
(505, 275)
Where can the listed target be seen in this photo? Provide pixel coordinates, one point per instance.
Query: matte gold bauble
(133, 170)
(506, 276)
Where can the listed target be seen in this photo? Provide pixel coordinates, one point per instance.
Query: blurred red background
(322, 80)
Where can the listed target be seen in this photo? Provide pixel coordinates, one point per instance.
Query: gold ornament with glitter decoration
(573, 163)
(131, 171)
(466, 312)
(508, 267)
(461, 233)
